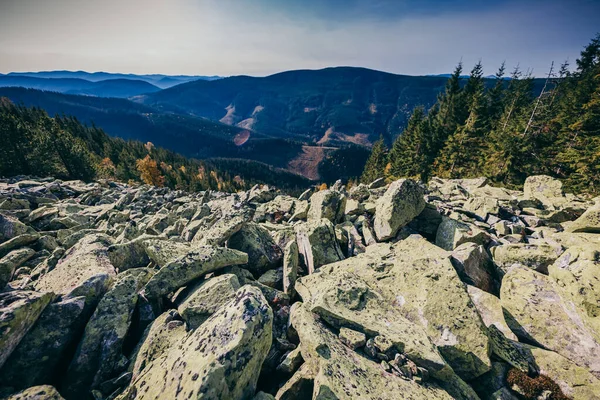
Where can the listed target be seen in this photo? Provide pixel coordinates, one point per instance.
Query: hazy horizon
(263, 37)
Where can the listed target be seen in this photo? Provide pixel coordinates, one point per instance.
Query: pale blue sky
(260, 37)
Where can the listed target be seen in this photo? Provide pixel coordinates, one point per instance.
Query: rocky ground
(457, 290)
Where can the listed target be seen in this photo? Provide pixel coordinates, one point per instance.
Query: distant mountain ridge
(122, 88)
(160, 80)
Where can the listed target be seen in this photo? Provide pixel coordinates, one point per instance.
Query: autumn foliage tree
(149, 172)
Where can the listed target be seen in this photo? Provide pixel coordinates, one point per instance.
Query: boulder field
(394, 290)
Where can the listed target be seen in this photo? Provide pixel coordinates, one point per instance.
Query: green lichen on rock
(43, 349)
(19, 310)
(401, 203)
(318, 244)
(99, 354)
(341, 373)
(219, 360)
(43, 392)
(536, 312)
(200, 261)
(202, 300)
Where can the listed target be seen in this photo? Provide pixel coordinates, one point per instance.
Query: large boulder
(317, 243)
(577, 273)
(99, 355)
(420, 281)
(574, 381)
(84, 266)
(339, 372)
(200, 301)
(452, 233)
(263, 252)
(344, 300)
(11, 227)
(588, 222)
(326, 204)
(290, 267)
(18, 312)
(536, 312)
(219, 360)
(534, 256)
(10, 262)
(543, 188)
(37, 358)
(195, 264)
(401, 203)
(489, 308)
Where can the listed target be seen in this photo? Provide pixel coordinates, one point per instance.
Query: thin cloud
(231, 37)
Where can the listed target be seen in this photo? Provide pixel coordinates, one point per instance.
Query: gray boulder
(402, 202)
(219, 360)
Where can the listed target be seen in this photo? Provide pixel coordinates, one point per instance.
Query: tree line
(33, 143)
(504, 132)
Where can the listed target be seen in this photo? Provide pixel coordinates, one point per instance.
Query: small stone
(352, 338)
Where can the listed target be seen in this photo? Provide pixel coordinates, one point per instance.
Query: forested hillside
(328, 106)
(35, 144)
(505, 132)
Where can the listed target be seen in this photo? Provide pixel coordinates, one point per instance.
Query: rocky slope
(455, 290)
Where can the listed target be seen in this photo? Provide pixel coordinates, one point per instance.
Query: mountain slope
(187, 135)
(36, 144)
(328, 106)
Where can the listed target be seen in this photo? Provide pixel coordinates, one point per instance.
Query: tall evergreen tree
(408, 155)
(376, 163)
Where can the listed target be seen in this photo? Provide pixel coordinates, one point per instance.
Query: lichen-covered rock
(165, 331)
(18, 312)
(198, 262)
(534, 256)
(18, 241)
(543, 188)
(401, 203)
(200, 301)
(82, 266)
(482, 206)
(42, 350)
(219, 360)
(290, 267)
(574, 381)
(328, 204)
(281, 208)
(10, 262)
(474, 266)
(588, 222)
(220, 231)
(490, 309)
(99, 355)
(263, 252)
(11, 227)
(344, 300)
(452, 233)
(577, 273)
(339, 372)
(317, 243)
(535, 311)
(418, 278)
(43, 392)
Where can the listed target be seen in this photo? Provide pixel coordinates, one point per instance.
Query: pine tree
(374, 168)
(408, 155)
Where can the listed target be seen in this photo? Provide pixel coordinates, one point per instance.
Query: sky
(261, 37)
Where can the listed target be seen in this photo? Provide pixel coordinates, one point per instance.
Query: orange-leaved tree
(149, 172)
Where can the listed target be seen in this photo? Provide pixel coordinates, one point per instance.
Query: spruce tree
(408, 155)
(375, 166)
